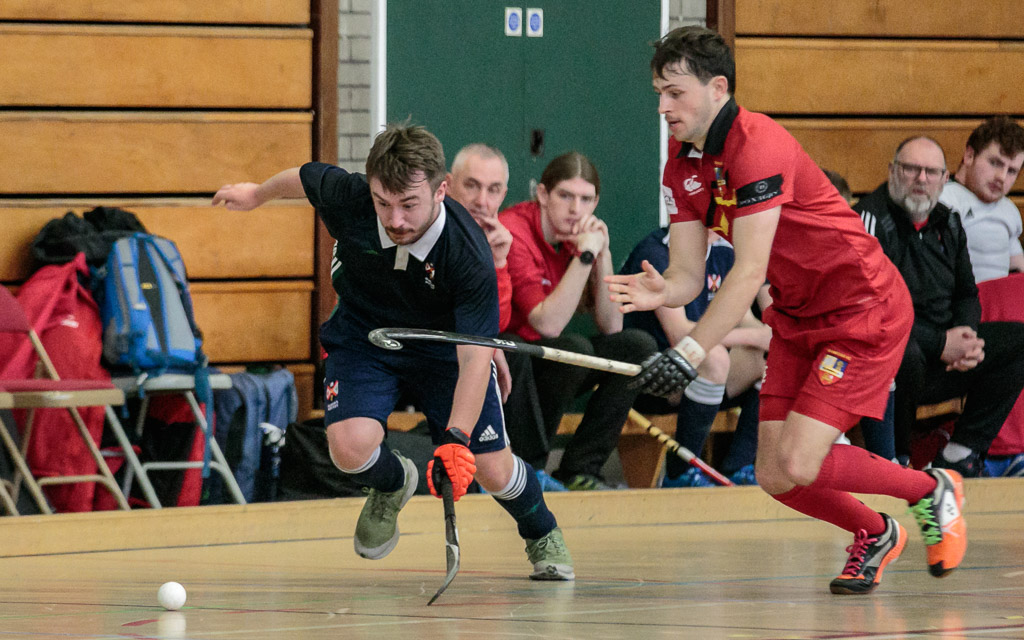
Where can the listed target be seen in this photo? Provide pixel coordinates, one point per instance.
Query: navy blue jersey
(654, 249)
(453, 288)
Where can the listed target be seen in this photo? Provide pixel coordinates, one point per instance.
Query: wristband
(693, 352)
(587, 257)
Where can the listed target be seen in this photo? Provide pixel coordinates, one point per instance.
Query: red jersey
(534, 266)
(822, 260)
(504, 297)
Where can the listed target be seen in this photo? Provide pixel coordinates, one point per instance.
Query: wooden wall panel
(260, 321)
(142, 66)
(142, 103)
(307, 387)
(860, 149)
(870, 18)
(187, 11)
(834, 76)
(146, 152)
(274, 241)
(20, 226)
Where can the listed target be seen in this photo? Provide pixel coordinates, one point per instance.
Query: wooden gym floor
(684, 563)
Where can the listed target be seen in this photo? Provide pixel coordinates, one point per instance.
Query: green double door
(584, 85)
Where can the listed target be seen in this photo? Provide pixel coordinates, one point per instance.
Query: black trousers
(991, 388)
(543, 391)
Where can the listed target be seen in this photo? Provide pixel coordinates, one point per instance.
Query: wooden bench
(642, 455)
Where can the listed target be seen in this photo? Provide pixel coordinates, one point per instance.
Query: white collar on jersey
(418, 249)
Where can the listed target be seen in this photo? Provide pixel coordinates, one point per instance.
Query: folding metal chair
(51, 392)
(178, 384)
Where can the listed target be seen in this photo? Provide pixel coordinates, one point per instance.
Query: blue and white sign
(534, 23)
(513, 21)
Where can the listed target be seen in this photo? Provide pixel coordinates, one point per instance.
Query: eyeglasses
(911, 171)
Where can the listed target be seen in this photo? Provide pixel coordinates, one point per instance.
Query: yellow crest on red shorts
(832, 367)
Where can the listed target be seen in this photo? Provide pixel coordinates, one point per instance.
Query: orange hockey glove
(454, 460)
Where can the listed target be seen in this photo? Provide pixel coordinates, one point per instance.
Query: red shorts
(836, 368)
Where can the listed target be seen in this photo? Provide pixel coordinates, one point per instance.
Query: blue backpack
(148, 324)
(146, 309)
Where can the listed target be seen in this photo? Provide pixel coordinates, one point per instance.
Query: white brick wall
(686, 12)
(355, 25)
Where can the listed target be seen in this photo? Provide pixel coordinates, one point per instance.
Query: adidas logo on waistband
(488, 434)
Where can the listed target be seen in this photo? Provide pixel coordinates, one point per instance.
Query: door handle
(537, 143)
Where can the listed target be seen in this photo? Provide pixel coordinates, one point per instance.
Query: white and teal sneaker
(550, 557)
(377, 528)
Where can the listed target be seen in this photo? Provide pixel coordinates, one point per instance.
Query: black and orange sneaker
(869, 555)
(940, 516)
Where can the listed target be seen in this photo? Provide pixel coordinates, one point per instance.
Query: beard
(918, 205)
(406, 236)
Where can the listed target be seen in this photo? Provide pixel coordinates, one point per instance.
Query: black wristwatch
(587, 257)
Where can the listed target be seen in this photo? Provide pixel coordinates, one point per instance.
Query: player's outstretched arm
(682, 281)
(638, 291)
(245, 196)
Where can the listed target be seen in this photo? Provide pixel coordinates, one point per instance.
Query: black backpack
(93, 234)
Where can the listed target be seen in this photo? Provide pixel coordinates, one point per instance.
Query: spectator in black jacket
(950, 352)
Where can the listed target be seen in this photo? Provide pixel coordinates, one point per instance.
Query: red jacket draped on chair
(66, 318)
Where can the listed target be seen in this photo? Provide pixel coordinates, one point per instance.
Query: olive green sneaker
(377, 528)
(550, 557)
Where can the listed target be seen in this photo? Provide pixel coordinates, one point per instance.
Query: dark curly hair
(702, 51)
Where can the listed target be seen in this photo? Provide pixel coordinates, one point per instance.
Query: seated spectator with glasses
(951, 352)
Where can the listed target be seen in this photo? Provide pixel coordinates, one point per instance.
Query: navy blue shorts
(364, 381)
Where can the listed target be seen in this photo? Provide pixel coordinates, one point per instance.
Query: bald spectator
(479, 181)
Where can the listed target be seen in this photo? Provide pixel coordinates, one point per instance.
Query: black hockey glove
(664, 373)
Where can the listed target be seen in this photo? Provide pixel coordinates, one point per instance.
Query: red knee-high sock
(850, 468)
(836, 507)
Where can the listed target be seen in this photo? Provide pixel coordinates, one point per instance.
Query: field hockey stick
(390, 338)
(669, 443)
(453, 555)
(451, 536)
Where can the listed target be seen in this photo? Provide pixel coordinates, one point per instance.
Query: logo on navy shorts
(332, 391)
(833, 366)
(489, 434)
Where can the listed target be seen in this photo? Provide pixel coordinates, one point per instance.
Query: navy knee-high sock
(523, 499)
(743, 448)
(382, 471)
(879, 436)
(697, 411)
